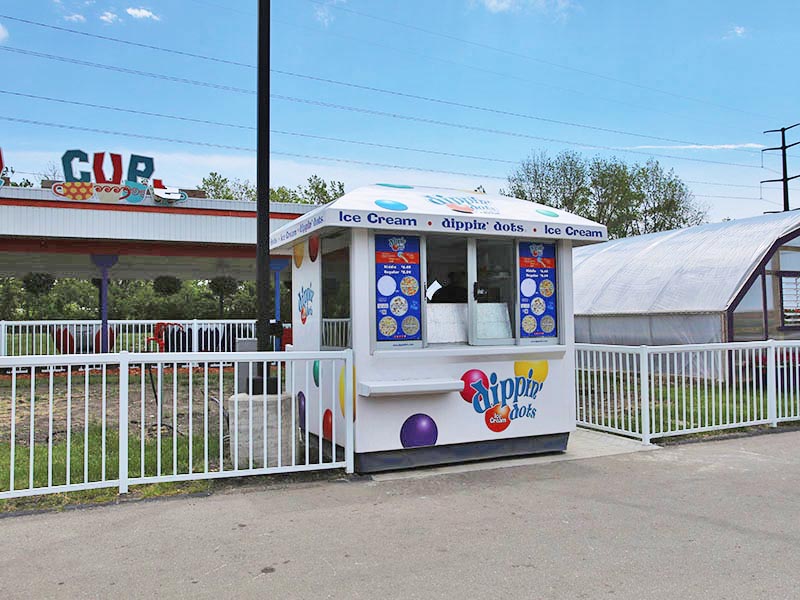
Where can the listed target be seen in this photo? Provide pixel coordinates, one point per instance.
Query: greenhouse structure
(733, 281)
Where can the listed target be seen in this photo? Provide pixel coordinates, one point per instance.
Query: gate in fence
(660, 391)
(78, 422)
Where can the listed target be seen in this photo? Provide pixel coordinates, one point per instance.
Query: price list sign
(398, 295)
(537, 290)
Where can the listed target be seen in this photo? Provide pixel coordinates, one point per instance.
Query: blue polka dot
(391, 205)
(399, 186)
(547, 213)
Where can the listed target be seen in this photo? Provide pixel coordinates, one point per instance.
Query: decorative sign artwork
(398, 290)
(2, 167)
(537, 290)
(136, 188)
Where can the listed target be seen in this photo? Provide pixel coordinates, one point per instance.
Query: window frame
(781, 275)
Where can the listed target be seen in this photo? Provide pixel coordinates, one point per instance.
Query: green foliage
(10, 298)
(629, 199)
(166, 285)
(216, 186)
(35, 287)
(315, 191)
(222, 287)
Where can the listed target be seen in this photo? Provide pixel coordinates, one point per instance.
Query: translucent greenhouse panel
(748, 318)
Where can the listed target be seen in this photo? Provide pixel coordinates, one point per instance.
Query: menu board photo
(537, 290)
(398, 294)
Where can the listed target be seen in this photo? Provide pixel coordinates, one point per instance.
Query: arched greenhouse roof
(697, 269)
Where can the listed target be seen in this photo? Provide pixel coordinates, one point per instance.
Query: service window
(488, 291)
(447, 293)
(494, 291)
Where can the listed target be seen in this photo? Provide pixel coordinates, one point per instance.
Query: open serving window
(445, 289)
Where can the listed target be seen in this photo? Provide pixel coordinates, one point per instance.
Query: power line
(74, 61)
(108, 38)
(252, 92)
(498, 131)
(127, 110)
(274, 131)
(384, 165)
(392, 147)
(530, 58)
(298, 155)
(124, 133)
(592, 96)
(487, 109)
(248, 65)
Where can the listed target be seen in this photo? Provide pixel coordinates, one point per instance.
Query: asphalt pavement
(707, 520)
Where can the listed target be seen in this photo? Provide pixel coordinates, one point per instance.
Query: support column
(104, 262)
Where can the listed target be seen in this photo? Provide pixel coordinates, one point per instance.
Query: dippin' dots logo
(397, 244)
(305, 301)
(504, 400)
(464, 204)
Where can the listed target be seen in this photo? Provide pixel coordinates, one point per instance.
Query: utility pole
(783, 148)
(263, 296)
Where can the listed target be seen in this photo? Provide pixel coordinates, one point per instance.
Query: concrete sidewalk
(705, 520)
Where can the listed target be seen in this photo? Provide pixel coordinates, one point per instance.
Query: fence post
(644, 389)
(124, 365)
(772, 384)
(195, 337)
(3, 339)
(349, 407)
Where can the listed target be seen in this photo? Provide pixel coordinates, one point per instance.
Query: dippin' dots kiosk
(458, 308)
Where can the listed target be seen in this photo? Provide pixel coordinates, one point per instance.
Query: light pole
(264, 307)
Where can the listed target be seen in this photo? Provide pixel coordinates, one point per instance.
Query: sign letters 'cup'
(111, 193)
(74, 190)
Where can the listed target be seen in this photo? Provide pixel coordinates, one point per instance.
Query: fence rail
(77, 422)
(47, 338)
(660, 391)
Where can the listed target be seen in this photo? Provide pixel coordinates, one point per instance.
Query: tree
(629, 199)
(216, 186)
(36, 286)
(166, 285)
(315, 191)
(222, 287)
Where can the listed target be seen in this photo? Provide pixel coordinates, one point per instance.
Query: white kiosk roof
(416, 208)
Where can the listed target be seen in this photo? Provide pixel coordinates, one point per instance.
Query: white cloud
(3, 33)
(323, 13)
(76, 18)
(558, 8)
(109, 17)
(142, 13)
(735, 32)
(699, 147)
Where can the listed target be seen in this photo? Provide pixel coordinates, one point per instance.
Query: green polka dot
(547, 213)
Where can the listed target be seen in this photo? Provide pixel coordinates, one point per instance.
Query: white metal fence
(659, 391)
(37, 338)
(112, 420)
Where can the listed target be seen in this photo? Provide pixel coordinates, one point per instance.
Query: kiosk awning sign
(398, 306)
(537, 290)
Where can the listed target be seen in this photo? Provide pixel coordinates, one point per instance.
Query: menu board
(398, 297)
(538, 316)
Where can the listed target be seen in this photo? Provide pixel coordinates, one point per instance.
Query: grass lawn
(678, 405)
(179, 462)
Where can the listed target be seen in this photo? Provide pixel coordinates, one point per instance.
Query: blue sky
(705, 74)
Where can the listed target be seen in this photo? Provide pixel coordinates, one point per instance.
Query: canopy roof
(426, 209)
(697, 269)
